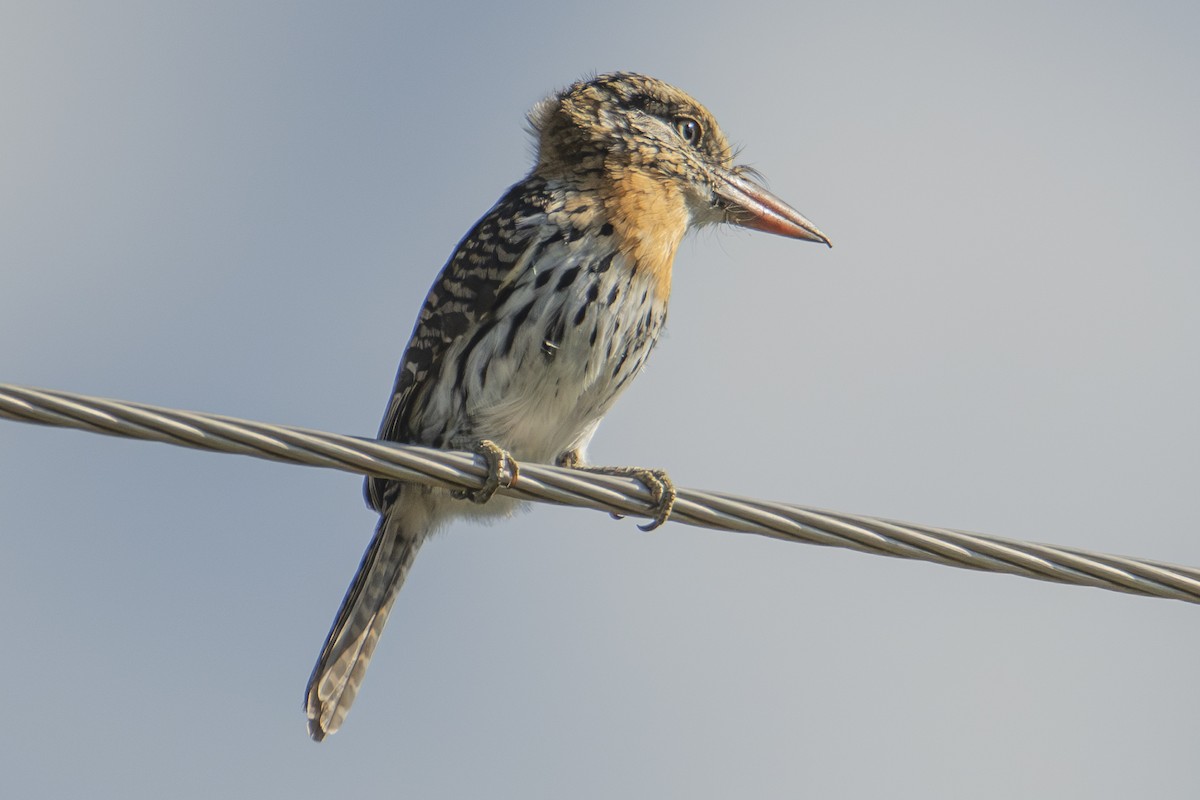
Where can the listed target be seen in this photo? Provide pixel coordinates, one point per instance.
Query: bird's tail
(360, 620)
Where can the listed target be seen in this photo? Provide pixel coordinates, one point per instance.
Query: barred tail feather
(351, 641)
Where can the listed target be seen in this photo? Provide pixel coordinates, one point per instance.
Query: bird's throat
(649, 218)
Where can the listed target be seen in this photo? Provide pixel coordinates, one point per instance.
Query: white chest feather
(538, 376)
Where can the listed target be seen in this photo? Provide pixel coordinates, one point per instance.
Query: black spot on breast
(614, 294)
(474, 341)
(595, 333)
(568, 277)
(603, 265)
(514, 327)
(543, 278)
(593, 293)
(606, 229)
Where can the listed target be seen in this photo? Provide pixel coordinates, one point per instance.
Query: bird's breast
(539, 373)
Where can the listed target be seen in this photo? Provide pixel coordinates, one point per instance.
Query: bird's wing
(474, 283)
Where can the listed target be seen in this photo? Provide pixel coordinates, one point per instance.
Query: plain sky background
(238, 208)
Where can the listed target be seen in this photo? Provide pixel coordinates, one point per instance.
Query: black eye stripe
(687, 126)
(650, 105)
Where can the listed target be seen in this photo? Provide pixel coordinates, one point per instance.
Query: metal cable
(608, 493)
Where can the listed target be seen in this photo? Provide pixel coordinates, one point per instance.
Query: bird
(543, 314)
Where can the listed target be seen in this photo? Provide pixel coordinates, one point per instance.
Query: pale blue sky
(238, 207)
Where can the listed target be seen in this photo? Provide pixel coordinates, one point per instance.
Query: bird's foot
(659, 484)
(503, 470)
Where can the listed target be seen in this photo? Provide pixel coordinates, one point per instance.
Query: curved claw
(503, 471)
(663, 489)
(656, 481)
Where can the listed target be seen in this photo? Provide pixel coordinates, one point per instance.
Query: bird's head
(599, 132)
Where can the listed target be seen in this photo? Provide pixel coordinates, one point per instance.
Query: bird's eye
(689, 129)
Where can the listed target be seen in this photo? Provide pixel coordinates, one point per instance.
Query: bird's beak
(751, 206)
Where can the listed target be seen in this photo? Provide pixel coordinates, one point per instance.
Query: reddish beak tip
(752, 206)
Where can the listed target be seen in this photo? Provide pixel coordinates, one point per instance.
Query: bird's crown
(623, 119)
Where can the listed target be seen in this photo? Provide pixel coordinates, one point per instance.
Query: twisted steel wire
(613, 494)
